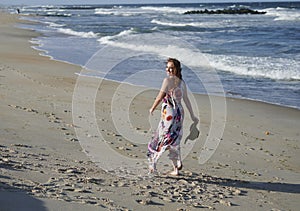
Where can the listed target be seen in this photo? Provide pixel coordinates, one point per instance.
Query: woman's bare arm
(188, 104)
(158, 99)
(160, 95)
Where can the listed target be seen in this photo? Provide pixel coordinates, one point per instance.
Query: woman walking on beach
(169, 132)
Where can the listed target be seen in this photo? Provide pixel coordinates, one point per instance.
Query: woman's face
(170, 68)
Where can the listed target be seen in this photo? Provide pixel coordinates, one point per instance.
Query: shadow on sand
(14, 198)
(268, 186)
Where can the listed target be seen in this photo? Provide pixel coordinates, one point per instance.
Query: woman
(169, 131)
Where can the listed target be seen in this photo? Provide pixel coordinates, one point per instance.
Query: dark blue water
(254, 56)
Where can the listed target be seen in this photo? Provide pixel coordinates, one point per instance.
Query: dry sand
(44, 167)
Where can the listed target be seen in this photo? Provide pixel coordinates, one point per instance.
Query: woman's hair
(177, 71)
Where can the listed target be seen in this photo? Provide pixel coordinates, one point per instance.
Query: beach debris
(227, 203)
(24, 108)
(74, 140)
(237, 192)
(183, 182)
(146, 201)
(94, 180)
(21, 145)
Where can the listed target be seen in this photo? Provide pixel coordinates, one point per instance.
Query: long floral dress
(169, 132)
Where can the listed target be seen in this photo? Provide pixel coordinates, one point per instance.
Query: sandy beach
(44, 162)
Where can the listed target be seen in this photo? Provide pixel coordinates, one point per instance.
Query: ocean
(245, 56)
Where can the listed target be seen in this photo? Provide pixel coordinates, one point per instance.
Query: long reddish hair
(177, 65)
(177, 71)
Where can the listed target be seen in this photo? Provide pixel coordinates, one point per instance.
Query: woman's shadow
(269, 186)
(194, 132)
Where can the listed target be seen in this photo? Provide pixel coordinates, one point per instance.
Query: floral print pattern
(169, 132)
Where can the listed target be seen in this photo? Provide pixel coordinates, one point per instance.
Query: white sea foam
(79, 34)
(283, 14)
(157, 43)
(165, 9)
(54, 25)
(274, 68)
(104, 11)
(110, 39)
(180, 24)
(45, 10)
(58, 14)
(36, 41)
(126, 11)
(55, 10)
(118, 11)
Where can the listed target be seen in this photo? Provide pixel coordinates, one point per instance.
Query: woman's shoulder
(170, 83)
(168, 80)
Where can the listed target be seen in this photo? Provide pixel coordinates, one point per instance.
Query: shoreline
(43, 165)
(44, 53)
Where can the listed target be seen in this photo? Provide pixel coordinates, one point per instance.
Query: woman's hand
(195, 119)
(151, 111)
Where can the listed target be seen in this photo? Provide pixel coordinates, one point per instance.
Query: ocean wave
(110, 39)
(104, 11)
(36, 42)
(79, 34)
(179, 24)
(79, 7)
(39, 10)
(54, 14)
(284, 14)
(234, 6)
(159, 44)
(54, 25)
(165, 9)
(118, 11)
(274, 68)
(45, 11)
(60, 7)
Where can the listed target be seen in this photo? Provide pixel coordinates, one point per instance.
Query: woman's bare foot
(175, 172)
(179, 165)
(151, 170)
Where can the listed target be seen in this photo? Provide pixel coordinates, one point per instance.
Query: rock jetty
(225, 11)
